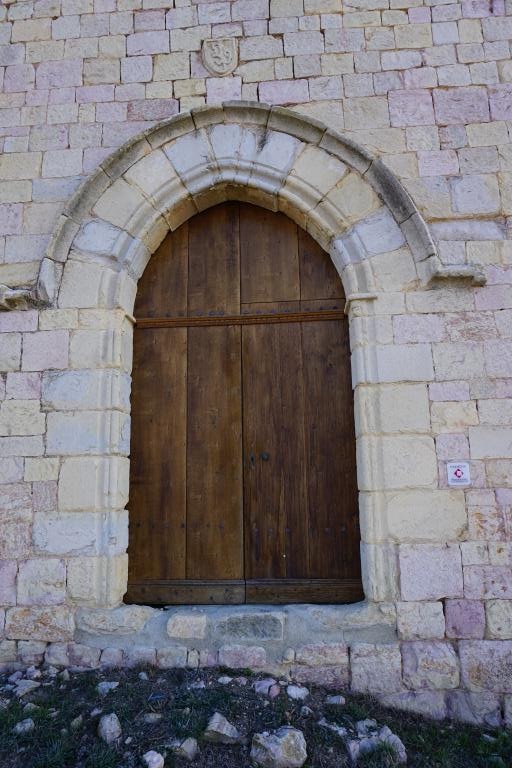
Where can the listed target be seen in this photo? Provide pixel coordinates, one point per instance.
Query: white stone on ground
(152, 717)
(187, 748)
(109, 728)
(264, 686)
(336, 701)
(24, 726)
(25, 686)
(153, 759)
(365, 727)
(105, 687)
(76, 723)
(220, 731)
(224, 680)
(338, 729)
(297, 692)
(285, 748)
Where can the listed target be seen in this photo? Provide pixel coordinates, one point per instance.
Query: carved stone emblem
(220, 56)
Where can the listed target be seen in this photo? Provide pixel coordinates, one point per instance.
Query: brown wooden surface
(243, 450)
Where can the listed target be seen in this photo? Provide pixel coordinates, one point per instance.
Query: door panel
(243, 482)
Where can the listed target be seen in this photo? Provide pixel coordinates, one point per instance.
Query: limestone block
(7, 651)
(57, 654)
(42, 581)
(323, 654)
(385, 462)
(188, 155)
(316, 167)
(187, 625)
(169, 658)
(490, 442)
(79, 533)
(83, 656)
(420, 621)
(97, 236)
(332, 677)
(394, 409)
(111, 657)
(379, 564)
(92, 483)
(8, 572)
(10, 352)
(124, 620)
(430, 665)
(354, 198)
(99, 348)
(11, 469)
(453, 417)
(53, 624)
(389, 363)
(77, 390)
(429, 572)
(81, 284)
(140, 655)
(97, 580)
(465, 619)
(429, 703)
(44, 350)
(499, 619)
(375, 668)
(21, 417)
(465, 358)
(252, 626)
(485, 665)
(152, 174)
(88, 432)
(15, 540)
(474, 708)
(242, 656)
(31, 652)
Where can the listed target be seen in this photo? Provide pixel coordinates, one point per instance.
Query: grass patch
(185, 711)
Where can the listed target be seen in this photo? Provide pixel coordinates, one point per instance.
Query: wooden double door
(243, 481)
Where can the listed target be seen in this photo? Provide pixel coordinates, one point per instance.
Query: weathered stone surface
(221, 731)
(169, 658)
(499, 619)
(429, 572)
(252, 626)
(121, 621)
(321, 654)
(429, 703)
(42, 582)
(285, 748)
(54, 624)
(109, 728)
(240, 656)
(375, 668)
(430, 665)
(192, 626)
(474, 708)
(420, 621)
(486, 665)
(465, 619)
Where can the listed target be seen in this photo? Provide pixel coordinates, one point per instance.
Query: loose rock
(336, 701)
(224, 680)
(153, 759)
(143, 676)
(220, 731)
(386, 736)
(109, 728)
(187, 748)
(286, 748)
(297, 692)
(366, 727)
(152, 717)
(76, 723)
(30, 707)
(33, 673)
(274, 691)
(24, 726)
(105, 687)
(337, 729)
(264, 686)
(25, 686)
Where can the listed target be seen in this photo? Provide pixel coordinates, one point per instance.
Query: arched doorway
(243, 479)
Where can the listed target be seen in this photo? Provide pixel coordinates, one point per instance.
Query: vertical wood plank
(214, 454)
(162, 290)
(318, 276)
(214, 262)
(330, 451)
(276, 543)
(269, 257)
(157, 503)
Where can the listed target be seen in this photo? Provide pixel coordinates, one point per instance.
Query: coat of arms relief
(220, 56)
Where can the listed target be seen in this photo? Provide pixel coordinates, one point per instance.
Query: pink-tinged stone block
(8, 571)
(484, 582)
(44, 496)
(443, 163)
(498, 275)
(59, 74)
(18, 321)
(219, 89)
(500, 100)
(430, 664)
(334, 677)
(449, 390)
(429, 572)
(147, 21)
(375, 668)
(44, 350)
(23, 386)
(147, 43)
(94, 93)
(454, 106)
(137, 69)
(19, 78)
(486, 665)
(244, 10)
(417, 328)
(411, 107)
(504, 497)
(240, 656)
(479, 9)
(11, 219)
(465, 619)
(498, 358)
(486, 523)
(493, 297)
(15, 501)
(284, 91)
(152, 109)
(452, 447)
(419, 15)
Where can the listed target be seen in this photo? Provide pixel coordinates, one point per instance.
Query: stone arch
(344, 197)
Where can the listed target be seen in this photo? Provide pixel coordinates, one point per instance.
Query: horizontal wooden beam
(208, 320)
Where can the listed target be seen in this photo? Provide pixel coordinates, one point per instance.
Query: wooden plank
(186, 592)
(157, 503)
(214, 455)
(274, 482)
(202, 322)
(304, 591)
(269, 257)
(214, 261)
(162, 290)
(318, 276)
(330, 452)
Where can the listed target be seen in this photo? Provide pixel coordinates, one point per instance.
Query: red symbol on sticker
(458, 473)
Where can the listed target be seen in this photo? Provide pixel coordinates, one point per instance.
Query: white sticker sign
(458, 473)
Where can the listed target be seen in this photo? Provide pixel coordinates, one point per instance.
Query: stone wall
(425, 87)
